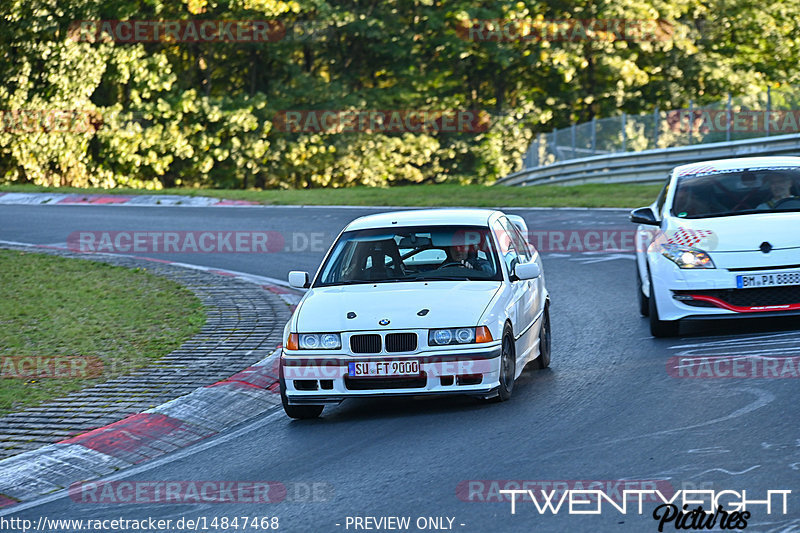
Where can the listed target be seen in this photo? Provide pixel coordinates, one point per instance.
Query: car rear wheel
(544, 341)
(658, 327)
(300, 412)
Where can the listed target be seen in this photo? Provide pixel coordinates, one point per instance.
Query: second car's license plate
(752, 281)
(384, 368)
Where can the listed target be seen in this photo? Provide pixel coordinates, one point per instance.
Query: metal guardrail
(649, 166)
(773, 112)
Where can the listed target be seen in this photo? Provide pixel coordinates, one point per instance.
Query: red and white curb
(188, 419)
(174, 200)
(138, 438)
(37, 198)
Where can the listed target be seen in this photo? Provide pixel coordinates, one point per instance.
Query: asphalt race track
(607, 409)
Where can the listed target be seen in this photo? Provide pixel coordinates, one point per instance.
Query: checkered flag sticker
(692, 237)
(697, 170)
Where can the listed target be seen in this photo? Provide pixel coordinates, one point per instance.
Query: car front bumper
(712, 293)
(324, 379)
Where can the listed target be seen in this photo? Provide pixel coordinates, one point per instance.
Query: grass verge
(80, 322)
(588, 195)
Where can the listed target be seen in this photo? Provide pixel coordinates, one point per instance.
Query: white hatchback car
(445, 301)
(722, 240)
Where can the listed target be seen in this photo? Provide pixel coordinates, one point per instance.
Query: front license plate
(384, 368)
(752, 281)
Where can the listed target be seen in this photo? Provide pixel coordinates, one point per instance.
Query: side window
(338, 270)
(506, 247)
(519, 242)
(662, 197)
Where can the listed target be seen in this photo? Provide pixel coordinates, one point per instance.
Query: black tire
(300, 412)
(661, 328)
(508, 367)
(644, 301)
(543, 361)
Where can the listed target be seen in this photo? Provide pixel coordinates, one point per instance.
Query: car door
(532, 288)
(522, 297)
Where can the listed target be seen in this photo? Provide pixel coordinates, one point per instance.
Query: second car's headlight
(686, 256)
(314, 341)
(442, 337)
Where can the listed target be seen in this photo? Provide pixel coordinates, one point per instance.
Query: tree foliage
(166, 113)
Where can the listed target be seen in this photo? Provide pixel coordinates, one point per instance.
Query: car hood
(449, 304)
(740, 233)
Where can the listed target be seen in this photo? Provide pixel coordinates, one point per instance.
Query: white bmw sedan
(721, 241)
(445, 301)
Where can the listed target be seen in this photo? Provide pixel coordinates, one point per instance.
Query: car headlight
(442, 337)
(314, 341)
(686, 256)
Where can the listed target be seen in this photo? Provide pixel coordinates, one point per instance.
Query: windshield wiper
(345, 282)
(742, 212)
(357, 281)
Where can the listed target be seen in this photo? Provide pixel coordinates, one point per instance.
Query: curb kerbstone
(219, 407)
(153, 200)
(31, 474)
(35, 198)
(205, 411)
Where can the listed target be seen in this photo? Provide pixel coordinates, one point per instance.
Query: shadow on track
(739, 326)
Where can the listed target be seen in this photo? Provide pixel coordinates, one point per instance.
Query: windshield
(411, 254)
(738, 192)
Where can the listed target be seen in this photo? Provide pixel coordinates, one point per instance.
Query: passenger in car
(689, 202)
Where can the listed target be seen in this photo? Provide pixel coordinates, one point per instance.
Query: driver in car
(467, 255)
(780, 186)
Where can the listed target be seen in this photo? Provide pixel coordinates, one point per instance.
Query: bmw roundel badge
(383, 322)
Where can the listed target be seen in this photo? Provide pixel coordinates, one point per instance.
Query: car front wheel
(658, 327)
(508, 367)
(300, 412)
(644, 301)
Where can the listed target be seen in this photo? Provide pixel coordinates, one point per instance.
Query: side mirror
(527, 270)
(299, 279)
(644, 215)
